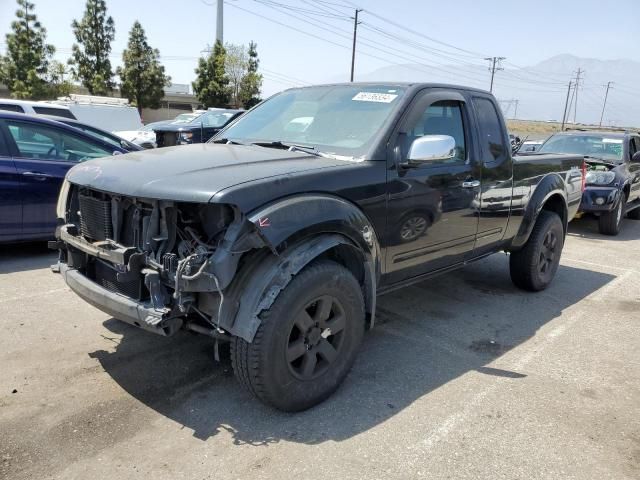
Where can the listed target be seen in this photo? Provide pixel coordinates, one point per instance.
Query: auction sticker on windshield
(375, 97)
(611, 140)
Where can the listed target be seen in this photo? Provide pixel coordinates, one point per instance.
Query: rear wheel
(307, 341)
(609, 223)
(534, 266)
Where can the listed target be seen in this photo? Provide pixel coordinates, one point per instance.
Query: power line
(302, 10)
(420, 34)
(365, 41)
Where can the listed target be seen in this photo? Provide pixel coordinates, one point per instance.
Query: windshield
(214, 119)
(185, 117)
(338, 119)
(600, 146)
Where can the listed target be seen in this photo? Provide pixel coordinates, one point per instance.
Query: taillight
(584, 175)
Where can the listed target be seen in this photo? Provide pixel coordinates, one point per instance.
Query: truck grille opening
(166, 139)
(95, 217)
(106, 275)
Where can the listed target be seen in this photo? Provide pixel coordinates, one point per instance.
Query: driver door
(42, 155)
(432, 207)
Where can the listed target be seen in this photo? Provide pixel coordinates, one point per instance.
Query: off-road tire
(262, 366)
(533, 267)
(609, 223)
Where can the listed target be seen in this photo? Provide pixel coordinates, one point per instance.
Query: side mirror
(636, 157)
(432, 148)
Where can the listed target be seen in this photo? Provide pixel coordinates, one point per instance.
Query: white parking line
(599, 265)
(568, 321)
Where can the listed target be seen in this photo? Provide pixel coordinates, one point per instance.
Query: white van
(35, 108)
(108, 113)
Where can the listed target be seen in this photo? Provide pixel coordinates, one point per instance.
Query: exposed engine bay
(599, 173)
(174, 256)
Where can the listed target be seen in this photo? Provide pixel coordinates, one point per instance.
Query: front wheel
(609, 223)
(534, 266)
(307, 341)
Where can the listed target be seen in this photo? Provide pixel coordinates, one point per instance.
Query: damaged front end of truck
(160, 265)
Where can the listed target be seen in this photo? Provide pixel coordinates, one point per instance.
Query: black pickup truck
(278, 234)
(613, 176)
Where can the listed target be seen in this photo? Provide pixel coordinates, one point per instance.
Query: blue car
(35, 154)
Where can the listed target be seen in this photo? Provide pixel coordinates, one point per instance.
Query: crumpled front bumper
(599, 199)
(123, 308)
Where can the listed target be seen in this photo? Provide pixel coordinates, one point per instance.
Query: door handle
(471, 184)
(37, 175)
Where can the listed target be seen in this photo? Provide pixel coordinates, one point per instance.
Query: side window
(441, 118)
(633, 146)
(55, 112)
(11, 108)
(492, 140)
(46, 143)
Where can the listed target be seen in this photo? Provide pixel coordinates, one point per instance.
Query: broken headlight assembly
(595, 177)
(185, 137)
(61, 206)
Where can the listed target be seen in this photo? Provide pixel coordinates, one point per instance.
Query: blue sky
(525, 32)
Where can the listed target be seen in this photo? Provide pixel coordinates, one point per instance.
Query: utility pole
(604, 105)
(515, 113)
(355, 35)
(575, 105)
(495, 66)
(219, 22)
(566, 104)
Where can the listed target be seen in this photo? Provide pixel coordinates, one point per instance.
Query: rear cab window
(492, 135)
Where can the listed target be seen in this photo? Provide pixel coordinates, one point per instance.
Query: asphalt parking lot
(464, 377)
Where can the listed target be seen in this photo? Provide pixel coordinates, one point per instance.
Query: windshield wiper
(227, 141)
(289, 146)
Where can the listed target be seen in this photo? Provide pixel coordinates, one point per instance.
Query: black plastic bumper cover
(608, 198)
(120, 307)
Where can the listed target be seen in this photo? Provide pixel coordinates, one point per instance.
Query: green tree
(251, 84)
(57, 85)
(236, 63)
(212, 83)
(90, 58)
(142, 76)
(24, 68)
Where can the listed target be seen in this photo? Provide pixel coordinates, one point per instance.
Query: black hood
(191, 173)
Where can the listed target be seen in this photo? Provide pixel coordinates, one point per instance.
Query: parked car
(278, 239)
(35, 155)
(613, 177)
(529, 146)
(108, 113)
(145, 136)
(35, 108)
(198, 129)
(103, 135)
